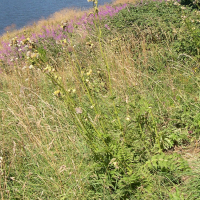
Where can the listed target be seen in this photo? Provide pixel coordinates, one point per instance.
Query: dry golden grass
(124, 1)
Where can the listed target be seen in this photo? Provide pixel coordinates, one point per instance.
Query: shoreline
(54, 19)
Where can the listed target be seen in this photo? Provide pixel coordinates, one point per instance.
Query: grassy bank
(56, 18)
(105, 106)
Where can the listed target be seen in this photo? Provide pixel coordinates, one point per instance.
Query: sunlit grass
(98, 108)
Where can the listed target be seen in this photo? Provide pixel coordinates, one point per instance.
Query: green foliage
(161, 23)
(176, 196)
(167, 164)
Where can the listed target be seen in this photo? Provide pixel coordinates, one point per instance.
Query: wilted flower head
(78, 110)
(70, 49)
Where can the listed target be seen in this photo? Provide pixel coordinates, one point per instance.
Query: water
(19, 13)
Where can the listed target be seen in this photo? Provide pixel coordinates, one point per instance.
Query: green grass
(111, 116)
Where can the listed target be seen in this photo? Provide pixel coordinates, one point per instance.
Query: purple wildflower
(106, 26)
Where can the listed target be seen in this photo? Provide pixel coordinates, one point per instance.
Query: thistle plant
(95, 6)
(108, 151)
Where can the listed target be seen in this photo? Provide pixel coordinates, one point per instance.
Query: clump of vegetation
(104, 107)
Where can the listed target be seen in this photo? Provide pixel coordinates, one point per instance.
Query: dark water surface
(18, 13)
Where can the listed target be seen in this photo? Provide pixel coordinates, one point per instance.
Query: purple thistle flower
(106, 26)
